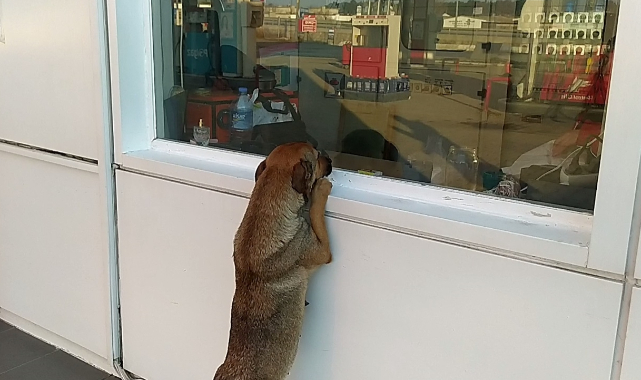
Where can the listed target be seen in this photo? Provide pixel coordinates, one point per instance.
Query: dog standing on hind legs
(276, 249)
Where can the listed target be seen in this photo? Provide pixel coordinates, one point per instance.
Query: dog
(276, 249)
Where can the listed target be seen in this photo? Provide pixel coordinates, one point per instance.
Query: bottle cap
(200, 123)
(243, 90)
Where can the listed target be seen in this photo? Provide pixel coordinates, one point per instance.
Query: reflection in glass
(462, 168)
(501, 97)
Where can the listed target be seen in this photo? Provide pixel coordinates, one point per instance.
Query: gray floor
(23, 357)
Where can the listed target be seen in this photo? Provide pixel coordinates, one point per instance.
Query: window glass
(505, 97)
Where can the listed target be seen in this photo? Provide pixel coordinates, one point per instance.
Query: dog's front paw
(321, 190)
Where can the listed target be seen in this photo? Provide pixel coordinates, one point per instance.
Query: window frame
(596, 244)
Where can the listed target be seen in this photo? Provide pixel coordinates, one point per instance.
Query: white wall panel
(176, 274)
(50, 75)
(637, 269)
(390, 306)
(631, 362)
(53, 260)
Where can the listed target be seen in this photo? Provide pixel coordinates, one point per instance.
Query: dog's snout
(328, 167)
(326, 162)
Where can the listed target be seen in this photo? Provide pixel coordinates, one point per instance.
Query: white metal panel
(390, 306)
(621, 156)
(50, 75)
(517, 229)
(637, 270)
(53, 263)
(176, 273)
(631, 363)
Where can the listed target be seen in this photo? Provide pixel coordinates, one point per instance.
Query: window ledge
(500, 226)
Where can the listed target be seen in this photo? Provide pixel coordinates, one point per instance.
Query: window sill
(499, 226)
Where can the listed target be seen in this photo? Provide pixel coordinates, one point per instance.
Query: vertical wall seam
(109, 175)
(628, 283)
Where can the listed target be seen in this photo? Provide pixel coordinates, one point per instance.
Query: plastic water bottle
(462, 168)
(242, 118)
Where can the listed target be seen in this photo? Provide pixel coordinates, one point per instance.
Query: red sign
(307, 24)
(574, 88)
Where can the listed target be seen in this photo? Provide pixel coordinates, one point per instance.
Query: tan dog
(275, 251)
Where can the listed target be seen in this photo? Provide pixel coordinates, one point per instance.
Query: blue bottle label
(242, 119)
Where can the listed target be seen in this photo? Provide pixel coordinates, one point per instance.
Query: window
(503, 97)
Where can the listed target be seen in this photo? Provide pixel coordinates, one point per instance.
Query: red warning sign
(307, 24)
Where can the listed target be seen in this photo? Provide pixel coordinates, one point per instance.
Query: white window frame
(553, 236)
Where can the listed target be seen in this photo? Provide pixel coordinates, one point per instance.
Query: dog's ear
(302, 177)
(260, 169)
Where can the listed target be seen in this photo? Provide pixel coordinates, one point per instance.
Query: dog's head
(305, 164)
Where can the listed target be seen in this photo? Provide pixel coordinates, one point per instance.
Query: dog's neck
(274, 187)
(275, 209)
(275, 202)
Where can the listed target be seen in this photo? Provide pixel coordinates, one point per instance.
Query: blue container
(197, 53)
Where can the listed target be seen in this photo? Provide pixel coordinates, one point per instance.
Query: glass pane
(505, 97)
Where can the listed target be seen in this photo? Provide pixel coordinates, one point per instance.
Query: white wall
(53, 236)
(50, 75)
(631, 363)
(637, 269)
(53, 262)
(389, 307)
